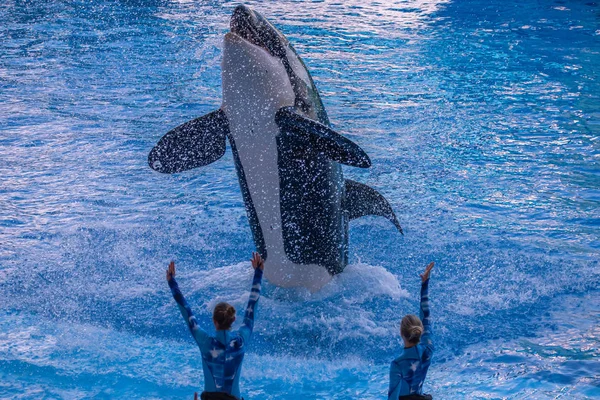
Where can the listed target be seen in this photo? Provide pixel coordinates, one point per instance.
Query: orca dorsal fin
(323, 138)
(362, 200)
(193, 144)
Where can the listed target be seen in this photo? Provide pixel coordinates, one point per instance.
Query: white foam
(338, 312)
(362, 281)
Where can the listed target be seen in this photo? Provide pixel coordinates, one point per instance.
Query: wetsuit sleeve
(200, 336)
(246, 329)
(426, 339)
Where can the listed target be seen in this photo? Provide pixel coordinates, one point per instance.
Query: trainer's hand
(257, 261)
(425, 275)
(171, 271)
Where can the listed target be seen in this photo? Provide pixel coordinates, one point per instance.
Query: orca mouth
(253, 27)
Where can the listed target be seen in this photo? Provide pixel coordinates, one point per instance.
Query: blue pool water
(482, 119)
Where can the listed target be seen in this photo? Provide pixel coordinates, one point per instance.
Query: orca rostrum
(287, 157)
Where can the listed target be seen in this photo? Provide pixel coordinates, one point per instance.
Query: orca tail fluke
(322, 138)
(362, 200)
(194, 144)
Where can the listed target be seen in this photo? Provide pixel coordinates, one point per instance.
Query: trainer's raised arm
(424, 311)
(259, 265)
(200, 336)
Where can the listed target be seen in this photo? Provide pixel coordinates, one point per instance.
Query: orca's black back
(314, 226)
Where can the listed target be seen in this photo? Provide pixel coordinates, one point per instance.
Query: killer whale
(287, 157)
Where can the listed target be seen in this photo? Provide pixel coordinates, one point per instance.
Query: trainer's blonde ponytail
(411, 329)
(224, 315)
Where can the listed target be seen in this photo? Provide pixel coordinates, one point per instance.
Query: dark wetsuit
(222, 355)
(407, 372)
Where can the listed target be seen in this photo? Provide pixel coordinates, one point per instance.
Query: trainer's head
(411, 330)
(223, 316)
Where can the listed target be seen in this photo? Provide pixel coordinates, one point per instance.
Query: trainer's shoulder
(400, 360)
(236, 341)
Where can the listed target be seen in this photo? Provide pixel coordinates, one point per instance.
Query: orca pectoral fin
(363, 200)
(324, 139)
(194, 144)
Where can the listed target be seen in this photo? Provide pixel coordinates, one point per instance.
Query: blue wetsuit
(223, 354)
(407, 372)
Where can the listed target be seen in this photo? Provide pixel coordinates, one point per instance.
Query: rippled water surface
(482, 119)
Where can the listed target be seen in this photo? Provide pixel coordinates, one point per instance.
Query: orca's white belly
(255, 87)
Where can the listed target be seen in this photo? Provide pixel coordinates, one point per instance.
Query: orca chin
(253, 27)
